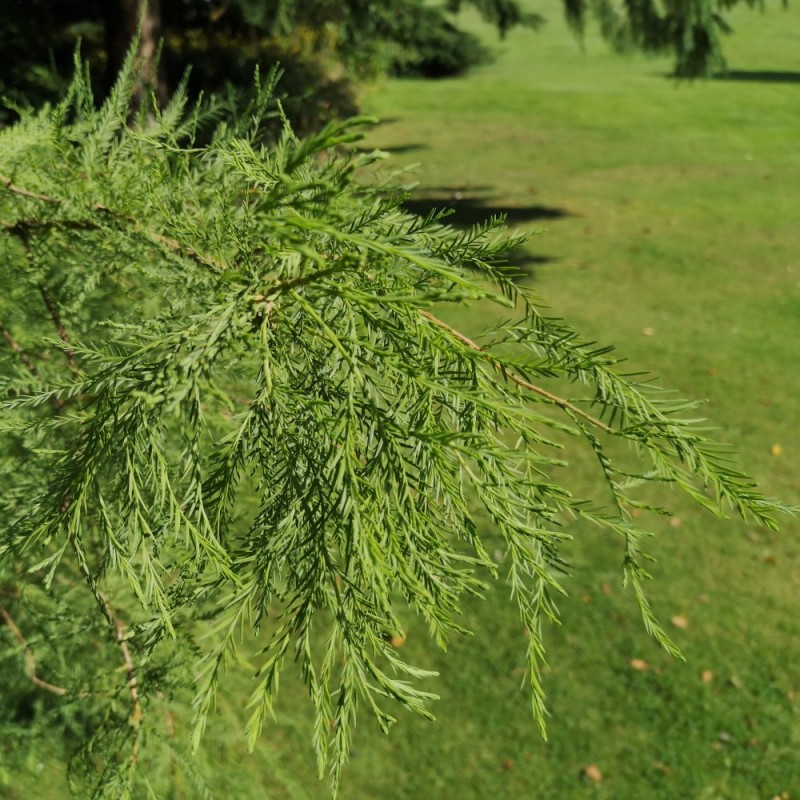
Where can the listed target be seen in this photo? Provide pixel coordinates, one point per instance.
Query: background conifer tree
(322, 43)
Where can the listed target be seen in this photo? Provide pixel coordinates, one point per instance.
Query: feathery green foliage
(231, 414)
(692, 30)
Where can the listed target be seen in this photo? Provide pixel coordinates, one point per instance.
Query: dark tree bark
(124, 19)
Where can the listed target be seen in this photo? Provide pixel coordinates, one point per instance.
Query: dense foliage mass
(323, 44)
(691, 32)
(232, 416)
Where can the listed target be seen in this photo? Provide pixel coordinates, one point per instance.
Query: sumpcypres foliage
(233, 417)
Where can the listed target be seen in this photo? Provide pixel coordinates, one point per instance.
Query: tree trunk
(124, 19)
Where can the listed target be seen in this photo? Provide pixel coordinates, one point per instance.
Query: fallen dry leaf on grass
(639, 664)
(592, 772)
(679, 621)
(707, 676)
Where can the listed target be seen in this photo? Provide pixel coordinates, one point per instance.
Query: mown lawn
(670, 219)
(670, 225)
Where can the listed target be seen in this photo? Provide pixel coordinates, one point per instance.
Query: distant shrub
(429, 45)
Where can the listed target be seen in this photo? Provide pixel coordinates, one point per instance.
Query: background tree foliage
(321, 43)
(232, 415)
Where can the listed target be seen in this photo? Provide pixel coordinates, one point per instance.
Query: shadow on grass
(523, 263)
(397, 149)
(758, 76)
(470, 209)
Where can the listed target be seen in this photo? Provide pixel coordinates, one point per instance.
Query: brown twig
(12, 187)
(136, 717)
(30, 658)
(554, 399)
(20, 230)
(16, 347)
(285, 286)
(55, 316)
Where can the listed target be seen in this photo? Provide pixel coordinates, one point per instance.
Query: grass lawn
(670, 225)
(670, 219)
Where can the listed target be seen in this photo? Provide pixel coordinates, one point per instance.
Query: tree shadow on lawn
(758, 76)
(469, 209)
(397, 149)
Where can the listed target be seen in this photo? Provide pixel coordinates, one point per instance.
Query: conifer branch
(98, 208)
(20, 231)
(12, 187)
(287, 285)
(512, 376)
(27, 361)
(291, 433)
(136, 716)
(19, 350)
(55, 316)
(30, 658)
